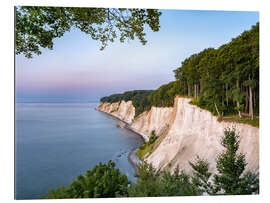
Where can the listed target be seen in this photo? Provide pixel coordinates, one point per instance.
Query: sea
(55, 142)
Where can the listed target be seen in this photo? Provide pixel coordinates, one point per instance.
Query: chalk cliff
(122, 110)
(187, 131)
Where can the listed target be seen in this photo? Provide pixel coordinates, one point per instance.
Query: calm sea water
(56, 142)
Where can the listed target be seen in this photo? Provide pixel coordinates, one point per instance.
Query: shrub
(230, 179)
(104, 180)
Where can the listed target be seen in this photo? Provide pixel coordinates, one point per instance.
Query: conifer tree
(230, 179)
(231, 165)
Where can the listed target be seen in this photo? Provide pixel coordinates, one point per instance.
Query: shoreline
(132, 157)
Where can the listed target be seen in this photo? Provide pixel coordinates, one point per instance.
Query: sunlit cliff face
(188, 131)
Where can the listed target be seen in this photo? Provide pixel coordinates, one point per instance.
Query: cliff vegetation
(224, 81)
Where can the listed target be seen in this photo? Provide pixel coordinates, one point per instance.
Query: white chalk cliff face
(122, 110)
(157, 119)
(188, 131)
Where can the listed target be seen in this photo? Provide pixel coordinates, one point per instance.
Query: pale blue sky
(76, 71)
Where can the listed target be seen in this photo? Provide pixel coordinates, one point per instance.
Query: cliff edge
(186, 131)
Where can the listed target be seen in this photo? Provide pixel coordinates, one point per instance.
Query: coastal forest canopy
(36, 27)
(139, 98)
(224, 81)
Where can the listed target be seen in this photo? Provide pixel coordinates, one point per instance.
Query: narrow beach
(132, 157)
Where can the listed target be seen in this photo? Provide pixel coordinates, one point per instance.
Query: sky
(77, 71)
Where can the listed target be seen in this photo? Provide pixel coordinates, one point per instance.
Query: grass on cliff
(231, 116)
(147, 147)
(144, 149)
(254, 122)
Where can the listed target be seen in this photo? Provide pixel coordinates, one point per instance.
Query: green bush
(147, 147)
(152, 138)
(104, 180)
(230, 179)
(156, 183)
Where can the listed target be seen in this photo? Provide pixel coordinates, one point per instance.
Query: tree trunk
(201, 86)
(238, 103)
(227, 100)
(246, 102)
(198, 90)
(217, 109)
(188, 90)
(254, 96)
(250, 104)
(195, 91)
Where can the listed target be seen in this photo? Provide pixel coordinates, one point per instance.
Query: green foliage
(143, 100)
(153, 137)
(147, 147)
(156, 183)
(230, 179)
(104, 180)
(201, 176)
(164, 95)
(255, 122)
(205, 102)
(36, 27)
(140, 99)
(143, 150)
(231, 165)
(219, 79)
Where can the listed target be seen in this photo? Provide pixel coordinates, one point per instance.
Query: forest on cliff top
(224, 81)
